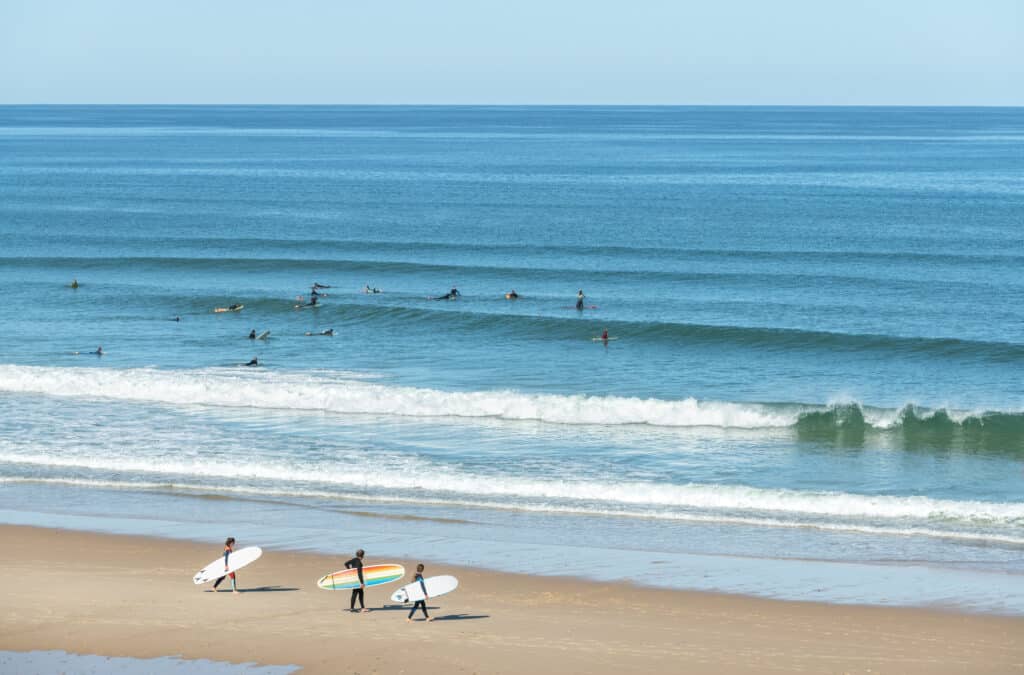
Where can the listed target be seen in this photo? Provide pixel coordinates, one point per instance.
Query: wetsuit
(579, 300)
(252, 334)
(231, 575)
(357, 565)
(254, 362)
(420, 604)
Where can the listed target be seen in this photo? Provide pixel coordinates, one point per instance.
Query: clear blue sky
(830, 52)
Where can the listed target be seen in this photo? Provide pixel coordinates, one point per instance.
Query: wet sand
(133, 596)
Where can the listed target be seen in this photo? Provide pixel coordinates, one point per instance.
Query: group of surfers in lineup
(355, 563)
(314, 297)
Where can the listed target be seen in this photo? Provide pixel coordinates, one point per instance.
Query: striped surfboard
(373, 575)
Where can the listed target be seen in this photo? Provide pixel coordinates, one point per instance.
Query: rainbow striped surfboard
(373, 575)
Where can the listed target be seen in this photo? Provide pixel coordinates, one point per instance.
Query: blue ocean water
(817, 310)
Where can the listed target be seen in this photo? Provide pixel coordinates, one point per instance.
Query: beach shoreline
(133, 596)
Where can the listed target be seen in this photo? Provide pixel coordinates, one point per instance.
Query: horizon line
(521, 105)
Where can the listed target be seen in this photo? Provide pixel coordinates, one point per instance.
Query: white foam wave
(327, 393)
(264, 492)
(423, 479)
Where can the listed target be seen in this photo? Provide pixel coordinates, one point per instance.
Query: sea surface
(815, 388)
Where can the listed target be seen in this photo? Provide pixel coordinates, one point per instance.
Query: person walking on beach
(357, 564)
(229, 548)
(420, 604)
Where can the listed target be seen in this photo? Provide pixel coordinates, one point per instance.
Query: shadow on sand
(267, 589)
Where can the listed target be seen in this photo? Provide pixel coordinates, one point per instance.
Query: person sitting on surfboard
(512, 295)
(74, 283)
(252, 334)
(357, 564)
(579, 299)
(420, 604)
(229, 547)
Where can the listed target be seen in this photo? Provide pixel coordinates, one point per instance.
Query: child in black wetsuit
(357, 564)
(420, 604)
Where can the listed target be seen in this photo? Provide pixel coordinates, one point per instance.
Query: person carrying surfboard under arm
(229, 547)
(357, 564)
(420, 604)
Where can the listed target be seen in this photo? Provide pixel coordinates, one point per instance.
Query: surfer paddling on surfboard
(450, 295)
(420, 604)
(357, 564)
(229, 548)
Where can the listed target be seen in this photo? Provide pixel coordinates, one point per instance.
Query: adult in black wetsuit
(252, 334)
(579, 299)
(357, 564)
(254, 362)
(420, 604)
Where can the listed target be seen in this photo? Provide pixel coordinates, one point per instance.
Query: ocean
(815, 390)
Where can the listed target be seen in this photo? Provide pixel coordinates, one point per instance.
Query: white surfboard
(236, 561)
(264, 335)
(435, 586)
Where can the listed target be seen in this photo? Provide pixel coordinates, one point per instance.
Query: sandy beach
(133, 596)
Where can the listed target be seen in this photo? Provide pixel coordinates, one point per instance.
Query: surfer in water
(99, 351)
(229, 548)
(252, 334)
(234, 308)
(357, 564)
(512, 295)
(319, 285)
(254, 362)
(450, 295)
(74, 283)
(329, 332)
(579, 299)
(420, 604)
(604, 335)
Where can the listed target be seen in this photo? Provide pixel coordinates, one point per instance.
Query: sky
(708, 52)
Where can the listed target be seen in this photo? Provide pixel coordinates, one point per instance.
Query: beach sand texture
(133, 596)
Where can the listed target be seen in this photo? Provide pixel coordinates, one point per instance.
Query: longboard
(236, 561)
(264, 335)
(221, 310)
(373, 575)
(435, 586)
(601, 339)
